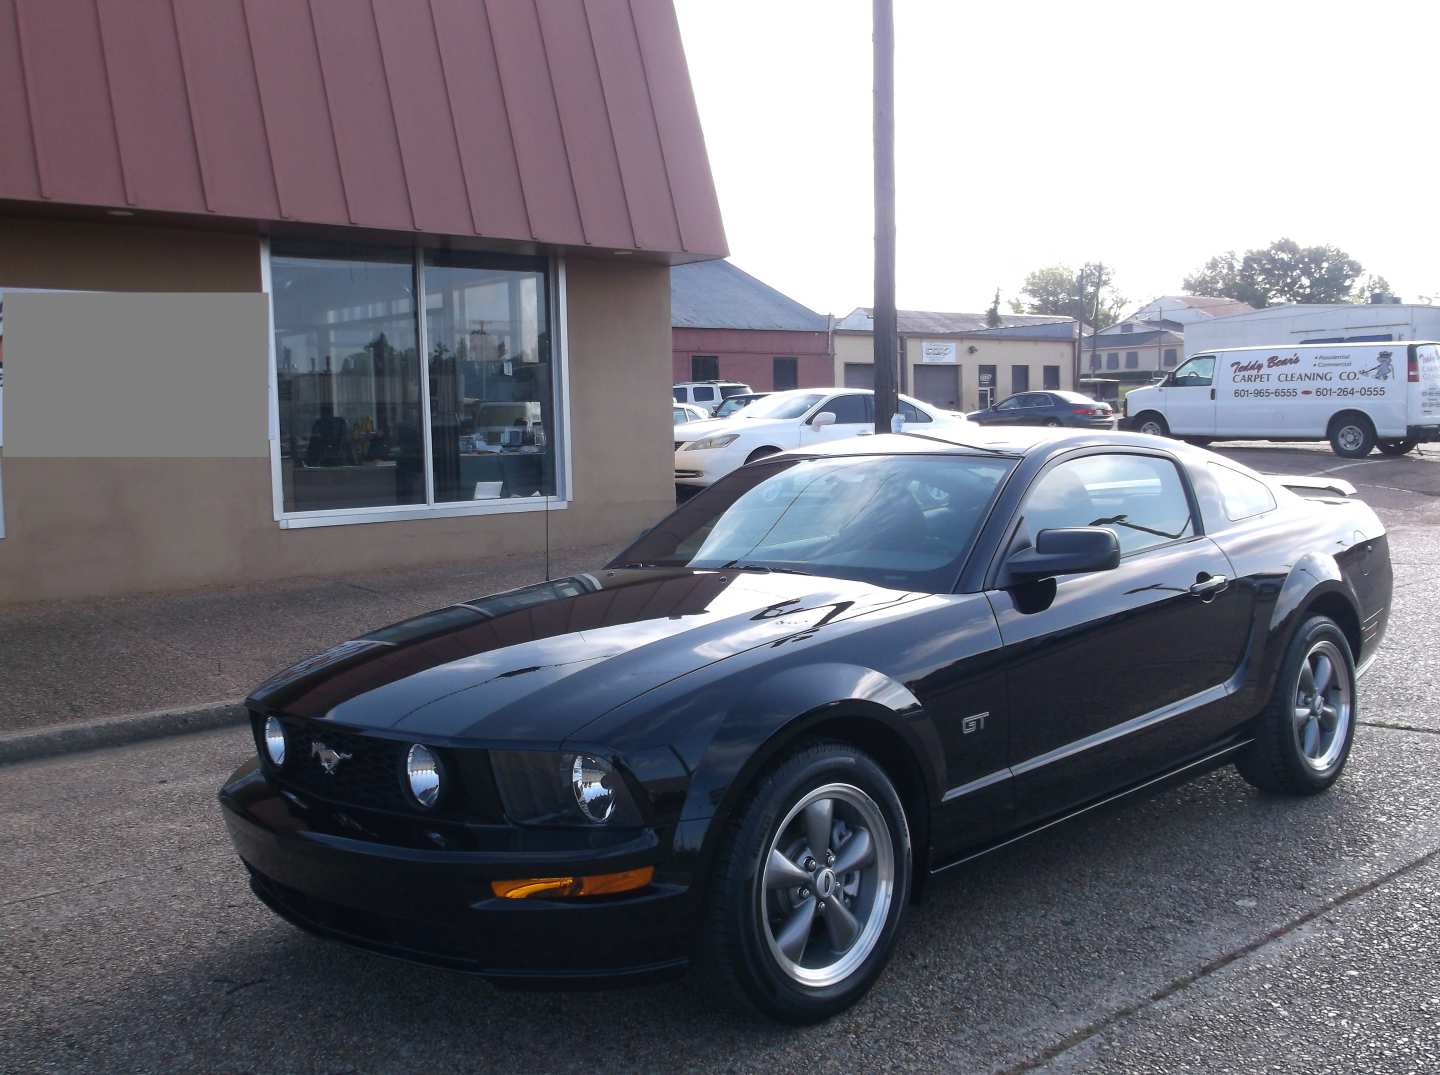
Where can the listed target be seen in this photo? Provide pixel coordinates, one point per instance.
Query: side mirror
(1073, 550)
(823, 419)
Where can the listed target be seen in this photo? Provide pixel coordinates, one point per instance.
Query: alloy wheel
(1322, 706)
(827, 885)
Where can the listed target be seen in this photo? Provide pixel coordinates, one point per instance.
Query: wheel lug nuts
(829, 858)
(804, 893)
(810, 863)
(820, 907)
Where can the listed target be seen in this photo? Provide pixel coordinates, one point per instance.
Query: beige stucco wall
(989, 351)
(143, 499)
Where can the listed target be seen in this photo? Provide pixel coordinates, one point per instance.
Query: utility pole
(886, 331)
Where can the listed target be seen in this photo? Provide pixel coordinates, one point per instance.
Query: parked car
(734, 403)
(709, 394)
(689, 412)
(1048, 408)
(799, 418)
(1355, 395)
(745, 744)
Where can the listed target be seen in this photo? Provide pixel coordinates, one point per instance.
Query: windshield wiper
(738, 565)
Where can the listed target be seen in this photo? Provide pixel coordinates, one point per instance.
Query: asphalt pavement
(1209, 929)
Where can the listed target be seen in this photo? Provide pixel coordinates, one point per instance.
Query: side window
(704, 394)
(849, 410)
(1139, 498)
(1197, 373)
(679, 416)
(1009, 404)
(1243, 496)
(679, 394)
(913, 414)
(1037, 399)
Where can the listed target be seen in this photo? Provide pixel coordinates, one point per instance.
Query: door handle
(1212, 393)
(1209, 586)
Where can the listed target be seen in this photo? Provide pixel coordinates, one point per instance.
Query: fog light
(599, 884)
(422, 768)
(275, 741)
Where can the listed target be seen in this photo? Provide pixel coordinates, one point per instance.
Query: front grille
(372, 777)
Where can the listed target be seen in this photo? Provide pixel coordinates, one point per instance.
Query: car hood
(715, 427)
(534, 665)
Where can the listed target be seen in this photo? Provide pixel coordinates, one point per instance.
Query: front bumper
(705, 467)
(436, 906)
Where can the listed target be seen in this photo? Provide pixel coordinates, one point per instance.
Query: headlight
(422, 770)
(712, 442)
(275, 741)
(545, 788)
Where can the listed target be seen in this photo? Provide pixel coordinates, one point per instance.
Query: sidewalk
(75, 662)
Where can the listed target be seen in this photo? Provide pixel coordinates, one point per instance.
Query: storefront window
(491, 377)
(352, 400)
(348, 377)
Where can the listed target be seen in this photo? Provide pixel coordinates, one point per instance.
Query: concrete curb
(116, 731)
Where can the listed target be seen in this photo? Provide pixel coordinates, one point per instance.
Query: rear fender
(1312, 579)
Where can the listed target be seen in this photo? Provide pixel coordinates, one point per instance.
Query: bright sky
(1150, 136)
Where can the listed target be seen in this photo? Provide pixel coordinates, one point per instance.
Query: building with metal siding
(727, 325)
(304, 286)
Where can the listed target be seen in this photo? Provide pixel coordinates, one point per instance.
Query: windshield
(786, 405)
(904, 522)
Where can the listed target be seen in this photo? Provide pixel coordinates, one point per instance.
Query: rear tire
(1352, 435)
(1152, 424)
(1052, 421)
(1397, 447)
(1304, 735)
(789, 929)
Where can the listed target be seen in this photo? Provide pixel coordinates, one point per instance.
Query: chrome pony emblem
(329, 759)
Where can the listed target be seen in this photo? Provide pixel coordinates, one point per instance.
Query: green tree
(1088, 296)
(992, 315)
(1370, 285)
(1282, 272)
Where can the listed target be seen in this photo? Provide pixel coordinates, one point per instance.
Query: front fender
(776, 709)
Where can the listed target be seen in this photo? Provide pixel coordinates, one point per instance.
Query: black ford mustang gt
(744, 744)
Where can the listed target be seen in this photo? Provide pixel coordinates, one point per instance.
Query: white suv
(707, 451)
(709, 394)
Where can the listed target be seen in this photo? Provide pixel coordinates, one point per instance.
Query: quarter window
(913, 415)
(1242, 496)
(1139, 498)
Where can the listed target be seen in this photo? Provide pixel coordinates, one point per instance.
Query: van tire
(1397, 447)
(1150, 418)
(1352, 435)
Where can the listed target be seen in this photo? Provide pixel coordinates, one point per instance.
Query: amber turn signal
(599, 884)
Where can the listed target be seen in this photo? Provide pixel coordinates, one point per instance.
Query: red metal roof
(569, 122)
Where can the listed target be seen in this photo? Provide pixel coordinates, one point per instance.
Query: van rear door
(1423, 375)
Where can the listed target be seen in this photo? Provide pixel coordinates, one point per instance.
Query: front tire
(1397, 447)
(1304, 735)
(1152, 425)
(799, 930)
(1352, 435)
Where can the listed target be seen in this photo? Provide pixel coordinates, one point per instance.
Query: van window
(679, 394)
(1197, 373)
(704, 395)
(1243, 496)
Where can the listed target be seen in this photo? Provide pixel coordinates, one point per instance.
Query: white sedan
(707, 451)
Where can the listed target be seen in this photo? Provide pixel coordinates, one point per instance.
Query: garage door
(939, 385)
(859, 375)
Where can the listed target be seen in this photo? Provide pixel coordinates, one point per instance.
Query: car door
(1115, 675)
(1188, 396)
(1005, 413)
(853, 415)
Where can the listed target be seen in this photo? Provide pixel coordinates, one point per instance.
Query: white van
(1355, 395)
(709, 394)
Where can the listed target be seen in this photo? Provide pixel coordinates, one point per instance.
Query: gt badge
(974, 723)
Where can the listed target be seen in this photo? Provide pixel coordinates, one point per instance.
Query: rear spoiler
(1308, 486)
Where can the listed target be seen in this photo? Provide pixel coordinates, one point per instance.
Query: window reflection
(348, 376)
(491, 390)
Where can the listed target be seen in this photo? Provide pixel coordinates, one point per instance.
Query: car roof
(1016, 442)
